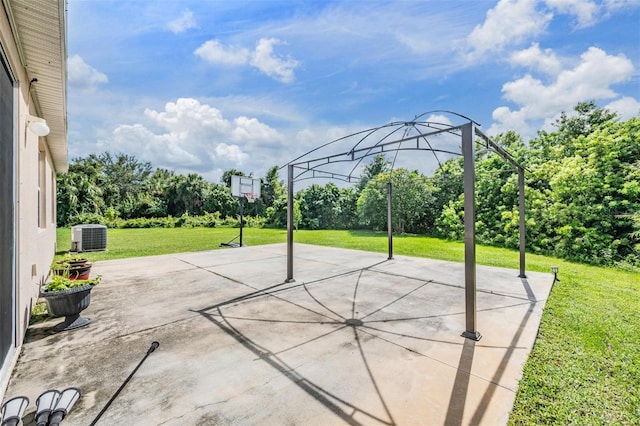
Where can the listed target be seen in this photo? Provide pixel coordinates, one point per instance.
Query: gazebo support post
(389, 221)
(289, 224)
(468, 154)
(522, 222)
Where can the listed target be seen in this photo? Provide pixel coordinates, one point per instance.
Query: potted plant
(67, 294)
(75, 267)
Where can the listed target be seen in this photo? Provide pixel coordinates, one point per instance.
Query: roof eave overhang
(39, 28)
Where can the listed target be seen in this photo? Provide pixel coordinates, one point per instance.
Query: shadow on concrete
(35, 334)
(484, 402)
(320, 394)
(458, 399)
(359, 325)
(455, 410)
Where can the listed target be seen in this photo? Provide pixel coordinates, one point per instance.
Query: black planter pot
(69, 304)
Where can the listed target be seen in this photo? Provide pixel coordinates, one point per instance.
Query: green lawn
(584, 368)
(123, 243)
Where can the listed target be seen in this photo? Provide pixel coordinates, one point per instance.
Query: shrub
(87, 218)
(152, 222)
(207, 220)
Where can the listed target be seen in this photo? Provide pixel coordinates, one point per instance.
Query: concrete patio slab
(356, 339)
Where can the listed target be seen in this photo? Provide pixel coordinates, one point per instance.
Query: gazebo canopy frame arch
(415, 135)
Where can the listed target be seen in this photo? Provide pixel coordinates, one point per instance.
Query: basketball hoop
(247, 187)
(250, 196)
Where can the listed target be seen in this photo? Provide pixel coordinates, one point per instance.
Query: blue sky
(206, 86)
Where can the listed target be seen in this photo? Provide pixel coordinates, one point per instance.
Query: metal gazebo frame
(308, 168)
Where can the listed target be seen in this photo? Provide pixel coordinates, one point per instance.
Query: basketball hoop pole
(243, 187)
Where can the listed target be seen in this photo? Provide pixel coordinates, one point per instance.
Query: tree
(124, 178)
(78, 192)
(583, 200)
(413, 202)
(345, 208)
(186, 194)
(496, 194)
(588, 119)
(226, 176)
(448, 179)
(276, 214)
(272, 188)
(378, 165)
(318, 206)
(219, 199)
(156, 189)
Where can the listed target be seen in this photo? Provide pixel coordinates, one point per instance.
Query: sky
(207, 86)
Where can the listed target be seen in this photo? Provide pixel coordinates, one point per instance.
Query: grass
(584, 367)
(124, 243)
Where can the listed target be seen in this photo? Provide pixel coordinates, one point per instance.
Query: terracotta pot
(79, 272)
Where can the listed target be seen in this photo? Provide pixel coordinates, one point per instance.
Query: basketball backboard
(243, 186)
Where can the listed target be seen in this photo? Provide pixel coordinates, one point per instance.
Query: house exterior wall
(33, 239)
(36, 238)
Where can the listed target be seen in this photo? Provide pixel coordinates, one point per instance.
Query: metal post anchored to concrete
(389, 221)
(468, 153)
(522, 222)
(289, 224)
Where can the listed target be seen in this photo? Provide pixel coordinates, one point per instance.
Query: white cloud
(263, 106)
(231, 153)
(510, 22)
(193, 137)
(418, 45)
(183, 23)
(305, 135)
(187, 115)
(214, 52)
(590, 79)
(615, 5)
(251, 130)
(163, 149)
(505, 120)
(585, 11)
(538, 60)
(83, 76)
(262, 58)
(440, 119)
(626, 107)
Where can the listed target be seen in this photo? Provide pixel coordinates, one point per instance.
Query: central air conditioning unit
(88, 238)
